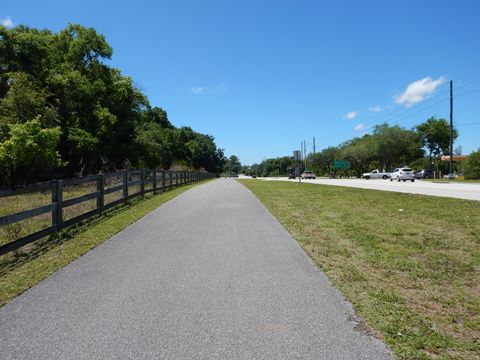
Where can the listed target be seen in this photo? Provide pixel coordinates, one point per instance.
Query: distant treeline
(386, 148)
(63, 111)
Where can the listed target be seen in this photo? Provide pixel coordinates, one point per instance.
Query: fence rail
(147, 180)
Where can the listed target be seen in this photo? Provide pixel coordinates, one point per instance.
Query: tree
(62, 81)
(435, 136)
(395, 146)
(233, 165)
(27, 150)
(472, 166)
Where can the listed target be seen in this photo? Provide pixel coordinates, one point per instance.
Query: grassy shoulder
(20, 272)
(410, 264)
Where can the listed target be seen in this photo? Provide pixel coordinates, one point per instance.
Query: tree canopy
(59, 96)
(387, 147)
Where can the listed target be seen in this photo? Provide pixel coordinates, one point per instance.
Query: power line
(407, 112)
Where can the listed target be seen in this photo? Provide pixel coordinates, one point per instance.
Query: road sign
(340, 164)
(297, 155)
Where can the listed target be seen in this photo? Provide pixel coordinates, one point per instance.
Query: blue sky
(262, 76)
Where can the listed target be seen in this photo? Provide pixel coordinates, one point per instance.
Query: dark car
(424, 174)
(291, 175)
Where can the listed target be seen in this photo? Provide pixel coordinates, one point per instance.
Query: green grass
(19, 272)
(410, 264)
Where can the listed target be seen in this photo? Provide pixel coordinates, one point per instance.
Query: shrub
(472, 166)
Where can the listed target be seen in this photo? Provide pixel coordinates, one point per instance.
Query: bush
(472, 166)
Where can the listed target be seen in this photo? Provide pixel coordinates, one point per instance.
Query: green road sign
(340, 164)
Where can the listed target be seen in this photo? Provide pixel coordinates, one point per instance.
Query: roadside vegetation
(22, 269)
(65, 112)
(386, 148)
(410, 264)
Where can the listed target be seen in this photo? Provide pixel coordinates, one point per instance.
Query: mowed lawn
(410, 264)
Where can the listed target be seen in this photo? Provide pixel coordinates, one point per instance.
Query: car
(254, 176)
(291, 175)
(424, 174)
(308, 175)
(403, 173)
(375, 174)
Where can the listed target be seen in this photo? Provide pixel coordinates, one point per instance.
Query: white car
(402, 174)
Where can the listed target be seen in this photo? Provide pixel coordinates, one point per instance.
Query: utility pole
(305, 153)
(314, 145)
(451, 129)
(301, 155)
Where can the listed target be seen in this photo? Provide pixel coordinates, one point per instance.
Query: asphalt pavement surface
(209, 275)
(466, 190)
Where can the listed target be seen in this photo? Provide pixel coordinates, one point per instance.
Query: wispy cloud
(418, 91)
(7, 22)
(376, 108)
(359, 127)
(350, 115)
(202, 90)
(197, 90)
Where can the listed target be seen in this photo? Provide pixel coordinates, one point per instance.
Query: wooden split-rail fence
(142, 181)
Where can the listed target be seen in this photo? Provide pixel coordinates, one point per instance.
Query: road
(468, 191)
(209, 275)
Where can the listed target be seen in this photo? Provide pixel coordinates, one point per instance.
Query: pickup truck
(375, 174)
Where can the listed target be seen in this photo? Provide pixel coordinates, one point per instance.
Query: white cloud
(351, 115)
(201, 90)
(7, 22)
(375, 108)
(418, 91)
(359, 127)
(197, 90)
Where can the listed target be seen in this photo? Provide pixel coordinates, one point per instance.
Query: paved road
(468, 191)
(209, 275)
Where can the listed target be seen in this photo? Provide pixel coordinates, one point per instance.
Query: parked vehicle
(308, 175)
(291, 175)
(375, 174)
(424, 174)
(402, 174)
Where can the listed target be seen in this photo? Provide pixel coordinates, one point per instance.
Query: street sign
(297, 155)
(340, 164)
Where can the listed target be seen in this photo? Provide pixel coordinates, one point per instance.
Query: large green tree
(101, 120)
(233, 165)
(435, 135)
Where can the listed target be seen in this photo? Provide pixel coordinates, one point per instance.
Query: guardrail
(144, 180)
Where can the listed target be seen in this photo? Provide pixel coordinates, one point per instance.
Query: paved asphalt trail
(209, 275)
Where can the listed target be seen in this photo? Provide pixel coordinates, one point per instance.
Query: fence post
(170, 177)
(142, 181)
(154, 180)
(57, 197)
(125, 185)
(100, 192)
(163, 181)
